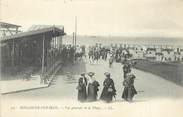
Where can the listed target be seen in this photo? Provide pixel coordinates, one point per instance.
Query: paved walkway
(13, 86)
(156, 97)
(33, 82)
(149, 86)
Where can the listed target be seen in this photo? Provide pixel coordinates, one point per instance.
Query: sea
(108, 40)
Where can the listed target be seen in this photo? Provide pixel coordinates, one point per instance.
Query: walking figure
(92, 87)
(111, 61)
(126, 70)
(82, 84)
(129, 89)
(109, 90)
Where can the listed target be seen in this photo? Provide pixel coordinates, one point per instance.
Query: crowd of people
(111, 53)
(88, 87)
(71, 54)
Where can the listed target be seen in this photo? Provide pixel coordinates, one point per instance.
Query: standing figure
(106, 53)
(90, 54)
(92, 88)
(111, 59)
(85, 79)
(81, 90)
(72, 51)
(126, 69)
(129, 89)
(109, 90)
(96, 55)
(82, 84)
(64, 53)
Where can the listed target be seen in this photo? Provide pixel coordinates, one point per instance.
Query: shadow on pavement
(69, 73)
(73, 69)
(134, 101)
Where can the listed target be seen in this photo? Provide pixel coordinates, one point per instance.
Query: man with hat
(92, 87)
(82, 84)
(109, 90)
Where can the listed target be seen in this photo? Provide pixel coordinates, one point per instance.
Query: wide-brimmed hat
(130, 75)
(133, 76)
(82, 74)
(107, 74)
(80, 79)
(91, 73)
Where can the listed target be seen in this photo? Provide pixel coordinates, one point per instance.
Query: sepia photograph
(90, 58)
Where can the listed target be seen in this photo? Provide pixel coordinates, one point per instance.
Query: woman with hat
(109, 90)
(126, 69)
(82, 95)
(129, 89)
(92, 87)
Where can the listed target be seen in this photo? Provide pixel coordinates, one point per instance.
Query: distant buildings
(164, 54)
(168, 54)
(137, 52)
(150, 53)
(159, 53)
(159, 57)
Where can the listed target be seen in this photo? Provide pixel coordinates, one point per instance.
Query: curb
(24, 90)
(46, 86)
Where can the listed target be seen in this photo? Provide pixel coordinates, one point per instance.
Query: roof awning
(54, 31)
(8, 25)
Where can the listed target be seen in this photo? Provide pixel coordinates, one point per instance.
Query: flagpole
(75, 30)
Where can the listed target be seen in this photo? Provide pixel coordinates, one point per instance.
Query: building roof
(53, 30)
(159, 53)
(167, 49)
(151, 49)
(8, 25)
(38, 27)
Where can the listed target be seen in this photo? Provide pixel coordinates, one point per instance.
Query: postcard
(91, 58)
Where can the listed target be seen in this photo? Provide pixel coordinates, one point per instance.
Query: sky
(99, 17)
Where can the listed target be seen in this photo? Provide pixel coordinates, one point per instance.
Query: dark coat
(82, 95)
(106, 94)
(126, 69)
(92, 91)
(129, 89)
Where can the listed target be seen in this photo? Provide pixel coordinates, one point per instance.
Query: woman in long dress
(129, 89)
(92, 88)
(82, 95)
(109, 90)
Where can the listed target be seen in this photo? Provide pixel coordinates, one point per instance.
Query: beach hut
(159, 56)
(151, 54)
(168, 54)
